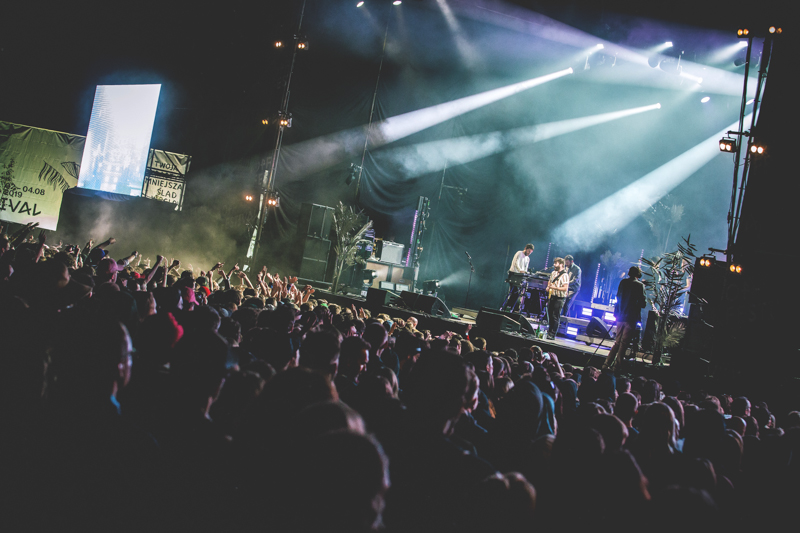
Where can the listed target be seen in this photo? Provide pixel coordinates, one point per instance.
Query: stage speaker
(425, 303)
(380, 297)
(598, 329)
(315, 221)
(314, 262)
(494, 320)
(525, 326)
(648, 339)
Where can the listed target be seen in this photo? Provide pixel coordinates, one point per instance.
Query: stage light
(397, 2)
(749, 101)
(572, 331)
(248, 197)
(273, 199)
(586, 311)
(600, 46)
(360, 3)
(285, 120)
(705, 99)
(773, 29)
(757, 149)
(743, 32)
(736, 269)
(430, 286)
(302, 45)
(706, 262)
(265, 121)
(609, 317)
(727, 144)
(278, 44)
(668, 44)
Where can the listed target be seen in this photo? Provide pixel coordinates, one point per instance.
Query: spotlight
(285, 120)
(600, 46)
(736, 269)
(668, 44)
(360, 3)
(265, 121)
(750, 101)
(757, 149)
(278, 44)
(705, 99)
(302, 45)
(773, 29)
(248, 197)
(351, 177)
(743, 32)
(430, 286)
(273, 199)
(397, 2)
(707, 262)
(727, 144)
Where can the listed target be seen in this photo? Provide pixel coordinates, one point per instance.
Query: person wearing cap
(107, 268)
(631, 300)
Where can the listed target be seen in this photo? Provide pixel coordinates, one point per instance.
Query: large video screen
(118, 141)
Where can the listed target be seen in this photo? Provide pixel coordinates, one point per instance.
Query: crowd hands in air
(142, 396)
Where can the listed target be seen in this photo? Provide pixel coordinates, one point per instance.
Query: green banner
(36, 167)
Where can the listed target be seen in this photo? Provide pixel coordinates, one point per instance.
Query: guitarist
(557, 290)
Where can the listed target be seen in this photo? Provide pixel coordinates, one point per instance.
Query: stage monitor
(118, 141)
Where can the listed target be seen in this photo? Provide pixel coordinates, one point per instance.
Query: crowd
(143, 397)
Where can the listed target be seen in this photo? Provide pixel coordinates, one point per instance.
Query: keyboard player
(518, 265)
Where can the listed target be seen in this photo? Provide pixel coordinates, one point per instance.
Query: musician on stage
(557, 288)
(574, 272)
(518, 265)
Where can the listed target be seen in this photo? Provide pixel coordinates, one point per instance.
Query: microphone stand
(469, 284)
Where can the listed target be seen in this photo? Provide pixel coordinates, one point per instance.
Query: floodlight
(265, 121)
(273, 199)
(248, 197)
(302, 45)
(278, 44)
(757, 149)
(727, 144)
(743, 32)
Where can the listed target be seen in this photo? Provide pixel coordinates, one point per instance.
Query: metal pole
(372, 107)
(267, 182)
(738, 148)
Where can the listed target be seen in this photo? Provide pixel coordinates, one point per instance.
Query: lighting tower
(269, 197)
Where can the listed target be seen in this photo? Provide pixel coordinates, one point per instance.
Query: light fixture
(727, 144)
(743, 32)
(273, 199)
(278, 44)
(668, 44)
(265, 121)
(773, 29)
(302, 45)
(285, 120)
(397, 2)
(361, 3)
(430, 286)
(707, 261)
(705, 99)
(248, 197)
(757, 149)
(736, 269)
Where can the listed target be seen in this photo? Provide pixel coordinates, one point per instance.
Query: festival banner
(36, 167)
(165, 177)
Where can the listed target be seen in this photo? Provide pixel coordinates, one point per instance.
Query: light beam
(587, 229)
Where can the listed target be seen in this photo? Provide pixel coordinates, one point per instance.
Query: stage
(579, 352)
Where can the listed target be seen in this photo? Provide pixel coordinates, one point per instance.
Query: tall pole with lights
(268, 194)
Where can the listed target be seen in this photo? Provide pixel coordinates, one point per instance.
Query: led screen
(118, 140)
